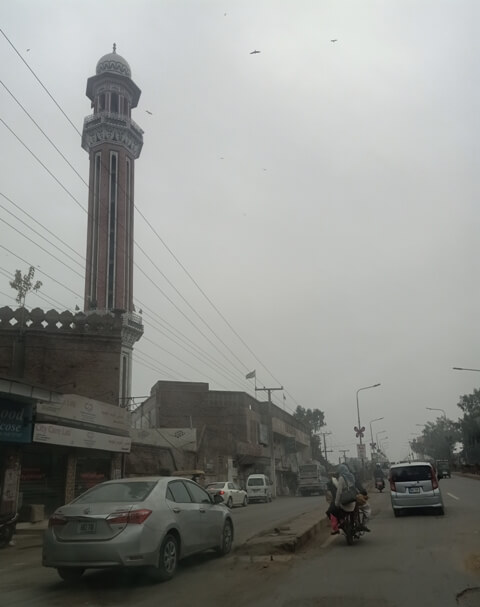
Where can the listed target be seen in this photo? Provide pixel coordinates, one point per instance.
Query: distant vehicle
(145, 522)
(443, 468)
(312, 479)
(415, 485)
(379, 484)
(231, 494)
(259, 488)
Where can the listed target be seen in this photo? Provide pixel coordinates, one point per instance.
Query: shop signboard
(15, 422)
(361, 451)
(87, 410)
(76, 437)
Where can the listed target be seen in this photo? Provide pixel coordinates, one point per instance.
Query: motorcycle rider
(346, 481)
(378, 474)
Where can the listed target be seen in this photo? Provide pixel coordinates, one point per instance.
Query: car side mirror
(217, 499)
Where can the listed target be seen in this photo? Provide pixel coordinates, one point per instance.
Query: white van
(259, 488)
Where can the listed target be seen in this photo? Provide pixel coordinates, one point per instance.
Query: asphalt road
(24, 582)
(416, 560)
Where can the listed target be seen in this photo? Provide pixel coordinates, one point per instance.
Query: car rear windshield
(215, 486)
(117, 492)
(411, 473)
(255, 481)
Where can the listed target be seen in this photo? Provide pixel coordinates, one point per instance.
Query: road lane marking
(454, 496)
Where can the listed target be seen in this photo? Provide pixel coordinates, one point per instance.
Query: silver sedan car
(150, 522)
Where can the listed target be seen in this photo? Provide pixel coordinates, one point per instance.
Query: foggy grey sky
(324, 195)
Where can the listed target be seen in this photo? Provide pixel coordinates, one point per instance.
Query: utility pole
(272, 446)
(325, 450)
(344, 451)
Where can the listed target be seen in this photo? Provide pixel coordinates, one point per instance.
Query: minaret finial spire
(114, 47)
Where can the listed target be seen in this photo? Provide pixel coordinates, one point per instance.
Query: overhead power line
(153, 230)
(39, 81)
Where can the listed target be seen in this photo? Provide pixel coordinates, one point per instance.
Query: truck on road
(312, 479)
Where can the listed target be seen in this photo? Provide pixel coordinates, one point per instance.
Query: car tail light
(130, 517)
(57, 520)
(221, 492)
(434, 480)
(392, 484)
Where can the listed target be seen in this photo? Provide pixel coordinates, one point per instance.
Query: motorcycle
(8, 524)
(379, 484)
(351, 526)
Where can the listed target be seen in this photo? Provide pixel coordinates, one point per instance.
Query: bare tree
(24, 285)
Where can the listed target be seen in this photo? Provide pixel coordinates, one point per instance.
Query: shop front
(15, 433)
(42, 479)
(77, 443)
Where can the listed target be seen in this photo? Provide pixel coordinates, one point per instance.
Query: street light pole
(437, 409)
(378, 434)
(371, 434)
(358, 414)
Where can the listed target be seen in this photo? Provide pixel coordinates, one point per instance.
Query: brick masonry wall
(79, 361)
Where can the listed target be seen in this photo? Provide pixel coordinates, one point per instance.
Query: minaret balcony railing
(114, 119)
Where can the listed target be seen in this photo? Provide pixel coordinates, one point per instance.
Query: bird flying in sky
(334, 40)
(149, 112)
(255, 52)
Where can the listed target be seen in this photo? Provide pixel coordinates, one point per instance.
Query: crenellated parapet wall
(53, 321)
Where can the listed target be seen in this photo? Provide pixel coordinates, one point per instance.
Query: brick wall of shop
(66, 352)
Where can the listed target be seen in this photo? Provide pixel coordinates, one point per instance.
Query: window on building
(112, 231)
(101, 102)
(114, 103)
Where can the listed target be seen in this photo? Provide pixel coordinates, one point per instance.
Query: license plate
(414, 489)
(85, 528)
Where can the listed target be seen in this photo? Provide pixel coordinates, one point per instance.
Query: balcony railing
(114, 118)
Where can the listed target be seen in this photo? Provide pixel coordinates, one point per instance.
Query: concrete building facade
(233, 438)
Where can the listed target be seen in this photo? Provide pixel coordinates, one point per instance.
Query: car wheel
(230, 502)
(245, 501)
(167, 560)
(397, 513)
(70, 574)
(441, 511)
(227, 539)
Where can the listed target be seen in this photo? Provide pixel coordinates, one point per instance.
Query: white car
(232, 494)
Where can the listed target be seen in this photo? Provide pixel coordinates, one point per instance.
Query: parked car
(231, 494)
(259, 488)
(414, 485)
(149, 522)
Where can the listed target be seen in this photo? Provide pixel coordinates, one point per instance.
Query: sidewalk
(467, 475)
